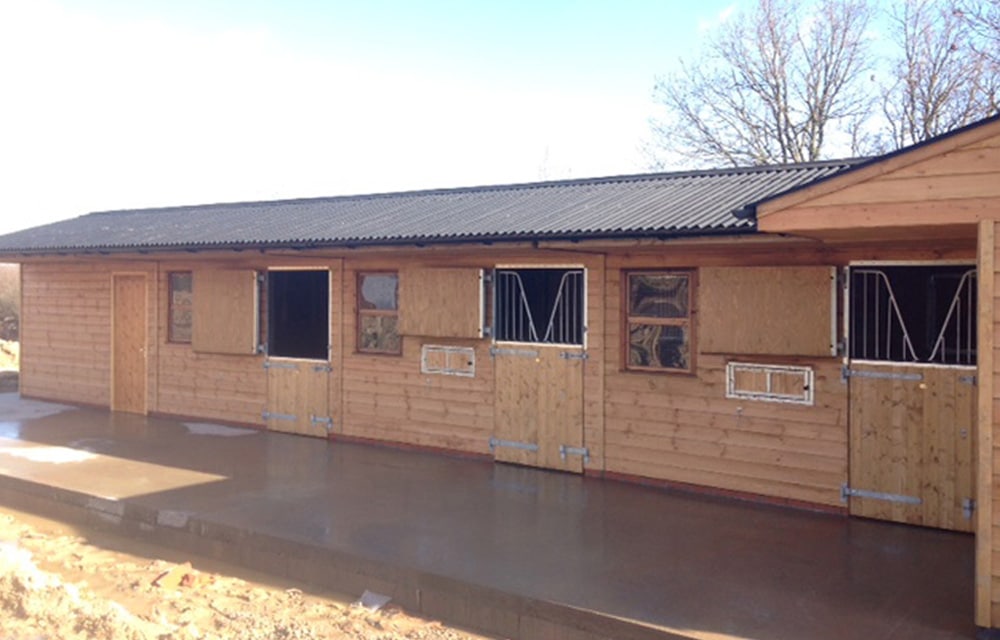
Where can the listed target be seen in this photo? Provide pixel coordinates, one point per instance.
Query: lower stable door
(539, 407)
(298, 393)
(913, 431)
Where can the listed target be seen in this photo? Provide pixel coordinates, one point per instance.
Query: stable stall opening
(913, 314)
(298, 314)
(543, 306)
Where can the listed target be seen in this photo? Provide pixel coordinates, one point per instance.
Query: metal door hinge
(566, 450)
(267, 415)
(512, 444)
(847, 492)
(322, 368)
(270, 364)
(967, 380)
(846, 372)
(573, 355)
(324, 420)
(523, 353)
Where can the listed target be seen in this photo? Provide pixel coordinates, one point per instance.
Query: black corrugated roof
(659, 205)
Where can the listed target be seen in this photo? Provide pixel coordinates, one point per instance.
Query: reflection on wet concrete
(703, 567)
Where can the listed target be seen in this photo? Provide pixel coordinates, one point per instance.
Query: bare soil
(62, 583)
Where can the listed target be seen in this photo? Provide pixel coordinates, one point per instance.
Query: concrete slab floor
(516, 552)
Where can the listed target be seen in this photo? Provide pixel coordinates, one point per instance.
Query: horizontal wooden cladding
(958, 185)
(388, 398)
(66, 332)
(683, 429)
(766, 310)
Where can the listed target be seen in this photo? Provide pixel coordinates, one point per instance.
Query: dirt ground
(62, 583)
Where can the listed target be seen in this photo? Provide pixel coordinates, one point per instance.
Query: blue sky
(114, 104)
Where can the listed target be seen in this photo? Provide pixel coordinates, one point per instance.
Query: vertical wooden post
(985, 472)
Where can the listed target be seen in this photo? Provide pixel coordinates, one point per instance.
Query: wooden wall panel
(65, 332)
(681, 428)
(948, 183)
(224, 319)
(440, 302)
(765, 310)
(386, 397)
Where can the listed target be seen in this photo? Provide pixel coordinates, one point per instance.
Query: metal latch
(512, 444)
(566, 450)
(573, 355)
(322, 368)
(968, 507)
(847, 492)
(967, 380)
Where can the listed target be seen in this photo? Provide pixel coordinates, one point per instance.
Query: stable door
(128, 350)
(912, 394)
(539, 364)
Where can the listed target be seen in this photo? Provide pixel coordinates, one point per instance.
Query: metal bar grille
(956, 342)
(881, 332)
(522, 301)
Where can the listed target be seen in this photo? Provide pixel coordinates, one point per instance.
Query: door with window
(912, 347)
(297, 322)
(539, 330)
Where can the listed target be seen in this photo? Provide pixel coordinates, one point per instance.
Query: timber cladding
(677, 427)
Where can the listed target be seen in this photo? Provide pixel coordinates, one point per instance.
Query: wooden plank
(986, 570)
(440, 302)
(765, 310)
(128, 327)
(225, 311)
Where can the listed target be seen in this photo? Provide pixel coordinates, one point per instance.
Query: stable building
(819, 335)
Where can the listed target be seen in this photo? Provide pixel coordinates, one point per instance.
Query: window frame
(171, 333)
(688, 323)
(361, 313)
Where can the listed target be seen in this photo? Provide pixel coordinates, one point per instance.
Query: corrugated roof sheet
(661, 205)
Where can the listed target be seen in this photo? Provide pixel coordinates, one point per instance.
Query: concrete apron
(513, 552)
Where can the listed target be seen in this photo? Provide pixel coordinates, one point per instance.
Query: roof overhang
(940, 188)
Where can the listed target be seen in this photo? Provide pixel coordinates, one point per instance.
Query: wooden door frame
(145, 333)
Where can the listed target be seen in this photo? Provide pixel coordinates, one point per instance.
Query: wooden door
(538, 415)
(913, 434)
(128, 337)
(298, 394)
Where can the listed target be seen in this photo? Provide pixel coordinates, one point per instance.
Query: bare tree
(940, 80)
(983, 19)
(772, 87)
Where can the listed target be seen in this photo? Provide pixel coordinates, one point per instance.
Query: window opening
(378, 313)
(526, 298)
(658, 321)
(298, 314)
(914, 314)
(180, 305)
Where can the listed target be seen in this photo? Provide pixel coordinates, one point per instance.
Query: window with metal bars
(914, 314)
(544, 306)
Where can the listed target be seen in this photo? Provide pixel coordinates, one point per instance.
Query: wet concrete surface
(516, 552)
